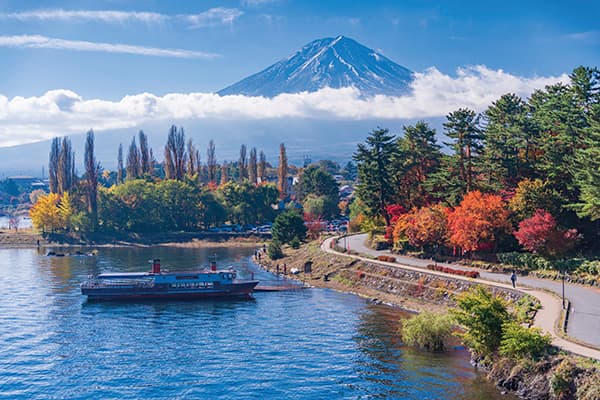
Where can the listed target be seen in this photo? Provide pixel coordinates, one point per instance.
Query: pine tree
(509, 140)
(374, 162)
(462, 126)
(282, 171)
(416, 158)
(587, 177)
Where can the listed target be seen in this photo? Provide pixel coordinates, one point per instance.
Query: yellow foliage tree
(65, 210)
(45, 213)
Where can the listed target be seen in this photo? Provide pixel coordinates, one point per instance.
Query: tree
(120, 164)
(416, 158)
(91, 169)
(532, 195)
(224, 173)
(482, 315)
(509, 140)
(282, 171)
(375, 186)
(426, 226)
(175, 154)
(253, 167)
(134, 167)
(211, 162)
(262, 167)
(350, 171)
(145, 159)
(318, 185)
(53, 165)
(539, 234)
(463, 126)
(520, 342)
(287, 226)
(427, 330)
(477, 221)
(587, 175)
(193, 159)
(44, 213)
(65, 173)
(66, 210)
(243, 164)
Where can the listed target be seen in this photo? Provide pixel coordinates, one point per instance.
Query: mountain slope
(332, 62)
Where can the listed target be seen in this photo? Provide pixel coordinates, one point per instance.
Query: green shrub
(295, 243)
(427, 330)
(274, 250)
(482, 315)
(520, 342)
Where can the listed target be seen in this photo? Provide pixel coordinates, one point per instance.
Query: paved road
(584, 323)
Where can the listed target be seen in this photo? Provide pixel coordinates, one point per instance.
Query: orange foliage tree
(477, 221)
(425, 226)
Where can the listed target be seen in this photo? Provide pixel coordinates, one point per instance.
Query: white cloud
(43, 42)
(211, 17)
(434, 94)
(109, 16)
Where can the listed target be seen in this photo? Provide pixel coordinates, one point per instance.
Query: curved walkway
(547, 318)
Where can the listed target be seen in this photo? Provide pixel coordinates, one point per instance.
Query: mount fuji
(331, 62)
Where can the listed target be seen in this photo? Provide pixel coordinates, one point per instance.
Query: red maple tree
(541, 235)
(477, 220)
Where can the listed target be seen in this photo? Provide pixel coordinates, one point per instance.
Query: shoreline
(29, 239)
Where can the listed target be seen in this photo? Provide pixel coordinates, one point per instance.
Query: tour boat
(157, 284)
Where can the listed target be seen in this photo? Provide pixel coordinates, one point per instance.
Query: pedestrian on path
(513, 279)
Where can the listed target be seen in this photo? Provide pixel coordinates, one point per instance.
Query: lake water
(310, 344)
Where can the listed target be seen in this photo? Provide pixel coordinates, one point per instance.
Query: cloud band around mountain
(433, 94)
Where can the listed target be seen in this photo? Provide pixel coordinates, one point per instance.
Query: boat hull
(235, 290)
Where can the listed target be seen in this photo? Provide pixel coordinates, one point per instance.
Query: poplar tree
(53, 165)
(66, 167)
(175, 157)
(243, 164)
(262, 167)
(211, 162)
(193, 159)
(252, 167)
(120, 164)
(91, 169)
(282, 170)
(133, 161)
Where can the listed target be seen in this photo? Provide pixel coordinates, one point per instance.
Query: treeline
(181, 193)
(522, 174)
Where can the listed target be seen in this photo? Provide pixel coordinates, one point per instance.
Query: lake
(308, 344)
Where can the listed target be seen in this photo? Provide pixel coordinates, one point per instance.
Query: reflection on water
(300, 344)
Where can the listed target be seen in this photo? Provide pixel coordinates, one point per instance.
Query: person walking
(513, 278)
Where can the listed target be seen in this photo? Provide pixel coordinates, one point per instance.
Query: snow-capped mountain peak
(331, 62)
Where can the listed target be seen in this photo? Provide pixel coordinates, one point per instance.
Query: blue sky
(524, 38)
(121, 65)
